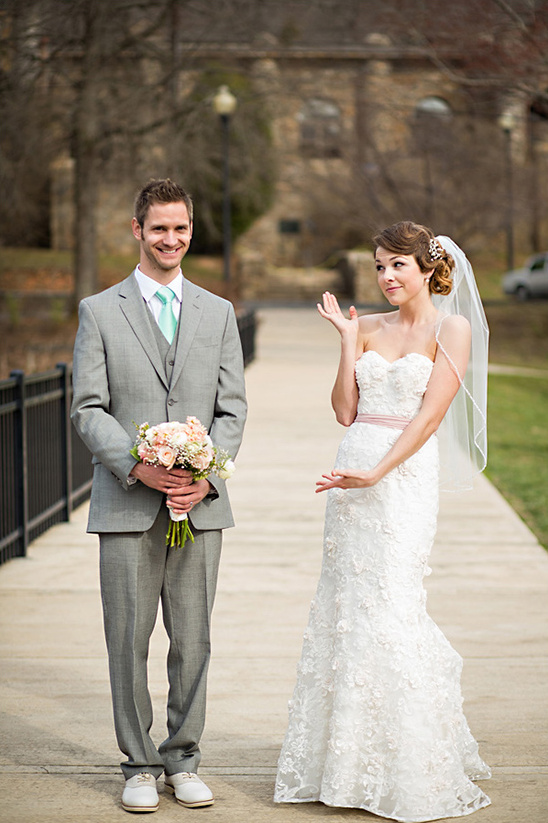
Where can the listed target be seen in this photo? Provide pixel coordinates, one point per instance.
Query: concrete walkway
(488, 592)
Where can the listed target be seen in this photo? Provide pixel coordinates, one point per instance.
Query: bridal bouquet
(185, 446)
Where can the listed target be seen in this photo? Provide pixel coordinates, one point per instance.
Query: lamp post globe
(507, 121)
(224, 101)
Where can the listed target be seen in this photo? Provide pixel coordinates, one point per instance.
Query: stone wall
(259, 280)
(377, 100)
(358, 277)
(354, 277)
(375, 89)
(114, 211)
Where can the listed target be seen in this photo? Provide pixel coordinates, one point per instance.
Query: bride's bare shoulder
(371, 322)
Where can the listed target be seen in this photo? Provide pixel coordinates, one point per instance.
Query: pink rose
(202, 460)
(196, 432)
(167, 456)
(146, 454)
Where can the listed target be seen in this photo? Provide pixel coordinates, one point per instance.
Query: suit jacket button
(171, 402)
(171, 362)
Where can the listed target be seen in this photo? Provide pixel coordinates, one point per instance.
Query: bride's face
(399, 276)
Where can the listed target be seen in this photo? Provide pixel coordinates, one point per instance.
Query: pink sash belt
(389, 420)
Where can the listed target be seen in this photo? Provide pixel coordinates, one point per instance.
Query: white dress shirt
(149, 287)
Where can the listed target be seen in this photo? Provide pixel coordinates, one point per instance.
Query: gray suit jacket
(119, 378)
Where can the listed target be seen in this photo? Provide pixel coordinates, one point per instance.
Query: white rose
(178, 439)
(227, 470)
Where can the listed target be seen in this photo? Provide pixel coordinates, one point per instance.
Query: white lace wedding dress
(376, 717)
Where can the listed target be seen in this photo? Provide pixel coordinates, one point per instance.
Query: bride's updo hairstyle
(411, 238)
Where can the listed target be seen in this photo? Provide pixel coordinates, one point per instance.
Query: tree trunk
(87, 135)
(86, 279)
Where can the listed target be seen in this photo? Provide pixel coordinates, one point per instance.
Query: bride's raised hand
(347, 479)
(330, 310)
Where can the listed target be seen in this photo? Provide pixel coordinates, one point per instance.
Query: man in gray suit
(154, 348)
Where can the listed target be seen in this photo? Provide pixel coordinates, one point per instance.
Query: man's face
(164, 238)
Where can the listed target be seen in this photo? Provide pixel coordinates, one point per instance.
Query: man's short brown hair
(160, 191)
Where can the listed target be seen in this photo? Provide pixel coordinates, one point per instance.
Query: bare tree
(447, 170)
(79, 53)
(25, 154)
(124, 87)
(120, 92)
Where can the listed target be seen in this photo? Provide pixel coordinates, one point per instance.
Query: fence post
(66, 438)
(21, 459)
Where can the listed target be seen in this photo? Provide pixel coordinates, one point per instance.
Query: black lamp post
(224, 104)
(507, 122)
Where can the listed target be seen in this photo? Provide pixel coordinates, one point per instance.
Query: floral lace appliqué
(376, 718)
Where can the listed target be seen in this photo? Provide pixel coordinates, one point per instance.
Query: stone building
(336, 112)
(363, 134)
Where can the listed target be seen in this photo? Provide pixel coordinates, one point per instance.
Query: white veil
(463, 432)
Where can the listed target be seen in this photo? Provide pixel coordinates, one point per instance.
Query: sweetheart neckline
(393, 362)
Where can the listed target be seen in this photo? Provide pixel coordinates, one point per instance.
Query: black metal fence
(45, 469)
(247, 326)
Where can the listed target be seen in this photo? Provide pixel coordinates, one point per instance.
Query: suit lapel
(134, 308)
(189, 320)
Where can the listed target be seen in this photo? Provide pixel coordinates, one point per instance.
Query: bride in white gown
(376, 718)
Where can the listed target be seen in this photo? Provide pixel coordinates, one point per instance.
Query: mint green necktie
(166, 319)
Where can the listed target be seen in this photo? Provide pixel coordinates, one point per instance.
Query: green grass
(112, 267)
(35, 259)
(489, 266)
(518, 446)
(519, 333)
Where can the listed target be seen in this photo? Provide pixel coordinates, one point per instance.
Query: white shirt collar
(149, 286)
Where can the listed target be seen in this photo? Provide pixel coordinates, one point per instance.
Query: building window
(320, 122)
(433, 108)
(290, 227)
(432, 126)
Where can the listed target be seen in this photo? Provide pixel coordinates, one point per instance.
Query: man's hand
(182, 493)
(187, 497)
(164, 480)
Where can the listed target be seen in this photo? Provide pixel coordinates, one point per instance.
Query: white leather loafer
(140, 794)
(189, 790)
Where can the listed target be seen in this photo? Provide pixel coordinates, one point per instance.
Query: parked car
(530, 281)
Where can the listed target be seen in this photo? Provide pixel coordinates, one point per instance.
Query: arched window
(433, 107)
(320, 122)
(432, 125)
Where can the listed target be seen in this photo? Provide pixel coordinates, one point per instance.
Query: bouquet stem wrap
(179, 530)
